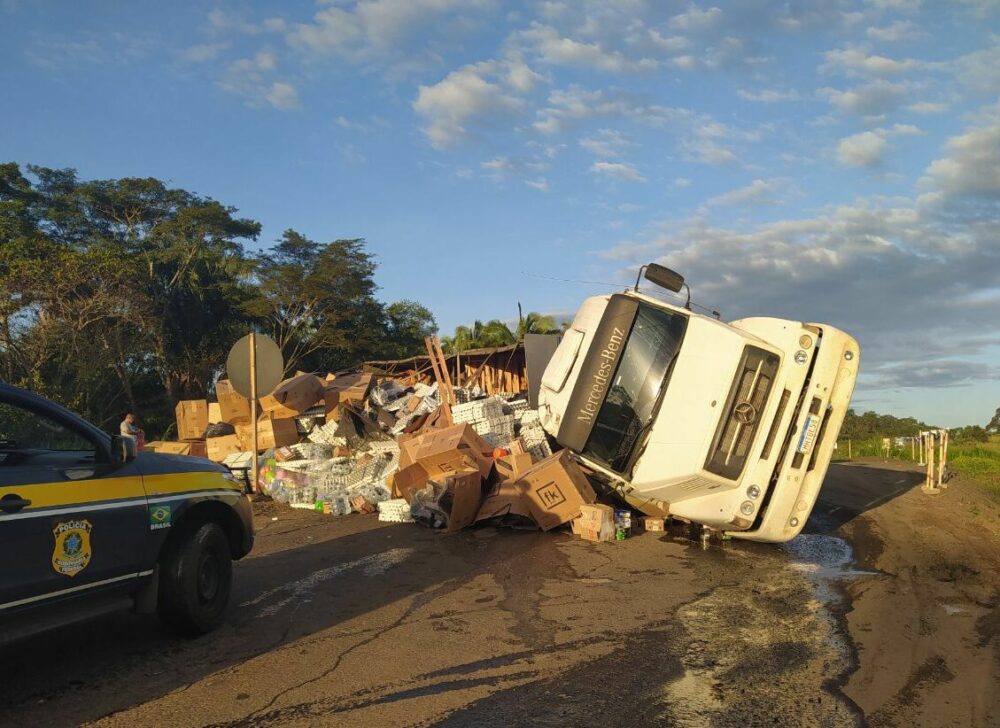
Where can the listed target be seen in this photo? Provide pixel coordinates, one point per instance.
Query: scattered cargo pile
(443, 456)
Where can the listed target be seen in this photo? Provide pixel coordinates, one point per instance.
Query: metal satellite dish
(268, 363)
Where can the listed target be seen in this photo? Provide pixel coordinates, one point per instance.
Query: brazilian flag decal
(159, 517)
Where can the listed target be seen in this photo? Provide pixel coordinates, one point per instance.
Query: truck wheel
(196, 577)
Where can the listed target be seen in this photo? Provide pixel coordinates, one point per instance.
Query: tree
(126, 294)
(994, 424)
(318, 301)
(116, 291)
(496, 333)
(409, 324)
(536, 323)
(970, 433)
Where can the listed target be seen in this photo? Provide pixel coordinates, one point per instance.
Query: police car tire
(180, 605)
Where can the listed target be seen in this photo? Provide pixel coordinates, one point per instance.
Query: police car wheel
(196, 576)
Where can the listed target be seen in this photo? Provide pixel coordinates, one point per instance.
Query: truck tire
(196, 577)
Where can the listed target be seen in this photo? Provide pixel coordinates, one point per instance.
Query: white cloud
(202, 52)
(250, 78)
(617, 170)
(606, 144)
(283, 96)
(870, 99)
(973, 167)
(668, 44)
(979, 71)
(869, 148)
(894, 32)
(758, 192)
(694, 19)
(473, 93)
(928, 107)
(768, 96)
(520, 77)
(554, 49)
(566, 107)
(709, 152)
(855, 61)
(367, 28)
(862, 150)
(221, 20)
(541, 184)
(856, 267)
(900, 5)
(682, 182)
(62, 52)
(344, 123)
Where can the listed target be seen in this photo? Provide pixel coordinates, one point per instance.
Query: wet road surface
(348, 621)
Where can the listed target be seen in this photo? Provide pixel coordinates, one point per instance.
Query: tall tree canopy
(497, 333)
(127, 294)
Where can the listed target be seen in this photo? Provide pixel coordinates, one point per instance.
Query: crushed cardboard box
(293, 396)
(219, 448)
(214, 413)
(194, 448)
(596, 522)
(234, 408)
(440, 445)
(555, 489)
(450, 501)
(272, 432)
(510, 467)
(192, 418)
(505, 502)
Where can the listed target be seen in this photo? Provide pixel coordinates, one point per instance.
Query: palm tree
(496, 333)
(536, 323)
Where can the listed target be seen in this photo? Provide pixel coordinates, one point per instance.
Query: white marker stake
(253, 405)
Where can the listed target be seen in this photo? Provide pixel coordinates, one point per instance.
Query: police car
(86, 525)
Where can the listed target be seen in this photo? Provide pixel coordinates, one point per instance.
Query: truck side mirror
(664, 277)
(123, 450)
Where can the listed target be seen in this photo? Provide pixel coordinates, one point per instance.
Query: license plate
(808, 436)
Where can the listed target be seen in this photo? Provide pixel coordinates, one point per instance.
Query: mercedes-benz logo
(745, 413)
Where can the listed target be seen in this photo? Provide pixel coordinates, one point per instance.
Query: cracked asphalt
(884, 613)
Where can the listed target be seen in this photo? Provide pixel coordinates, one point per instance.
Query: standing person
(129, 429)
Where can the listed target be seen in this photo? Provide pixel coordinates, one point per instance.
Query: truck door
(71, 523)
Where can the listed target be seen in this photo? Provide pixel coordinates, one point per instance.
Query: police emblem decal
(71, 553)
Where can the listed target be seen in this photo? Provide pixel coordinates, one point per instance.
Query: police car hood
(159, 463)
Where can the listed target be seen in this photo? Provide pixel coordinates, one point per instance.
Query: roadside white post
(942, 456)
(930, 486)
(253, 408)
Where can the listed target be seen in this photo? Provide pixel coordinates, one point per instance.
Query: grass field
(979, 461)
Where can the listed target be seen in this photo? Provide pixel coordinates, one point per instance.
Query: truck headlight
(805, 342)
(801, 357)
(746, 508)
(753, 491)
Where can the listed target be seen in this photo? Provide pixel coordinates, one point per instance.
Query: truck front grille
(743, 413)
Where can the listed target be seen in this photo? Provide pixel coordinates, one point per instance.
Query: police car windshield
(635, 391)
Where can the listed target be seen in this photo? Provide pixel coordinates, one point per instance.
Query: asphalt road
(348, 621)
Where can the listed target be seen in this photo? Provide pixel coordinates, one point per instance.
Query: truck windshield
(635, 391)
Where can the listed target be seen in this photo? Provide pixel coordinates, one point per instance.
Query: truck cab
(730, 425)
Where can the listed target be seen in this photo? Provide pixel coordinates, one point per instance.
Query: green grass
(978, 462)
(871, 448)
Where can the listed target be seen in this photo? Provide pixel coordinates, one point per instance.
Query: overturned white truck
(727, 425)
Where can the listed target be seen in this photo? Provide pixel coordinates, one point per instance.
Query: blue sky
(826, 161)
